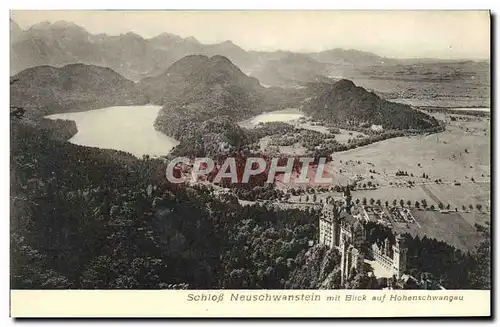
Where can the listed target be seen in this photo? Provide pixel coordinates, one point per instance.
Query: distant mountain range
(292, 69)
(61, 43)
(131, 55)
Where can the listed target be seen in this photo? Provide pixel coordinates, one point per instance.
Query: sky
(397, 34)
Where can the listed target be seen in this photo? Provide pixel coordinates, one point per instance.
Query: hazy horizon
(394, 34)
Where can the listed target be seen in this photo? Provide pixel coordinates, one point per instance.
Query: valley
(96, 120)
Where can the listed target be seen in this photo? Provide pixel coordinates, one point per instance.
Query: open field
(444, 102)
(459, 84)
(459, 158)
(459, 154)
(451, 228)
(452, 154)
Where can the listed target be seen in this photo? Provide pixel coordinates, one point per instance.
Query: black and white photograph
(251, 151)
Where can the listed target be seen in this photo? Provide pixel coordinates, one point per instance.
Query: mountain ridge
(61, 43)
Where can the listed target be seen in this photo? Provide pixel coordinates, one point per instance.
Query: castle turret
(347, 198)
(386, 247)
(399, 256)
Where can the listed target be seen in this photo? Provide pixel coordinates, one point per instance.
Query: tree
(480, 274)
(408, 203)
(441, 206)
(372, 201)
(448, 207)
(386, 203)
(16, 112)
(479, 206)
(402, 203)
(424, 203)
(314, 198)
(417, 204)
(394, 202)
(357, 201)
(471, 206)
(307, 198)
(364, 201)
(463, 207)
(433, 208)
(379, 203)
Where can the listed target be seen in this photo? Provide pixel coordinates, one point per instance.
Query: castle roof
(348, 218)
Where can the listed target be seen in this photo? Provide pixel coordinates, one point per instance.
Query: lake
(125, 128)
(285, 115)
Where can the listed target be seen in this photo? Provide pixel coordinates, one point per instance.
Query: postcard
(250, 163)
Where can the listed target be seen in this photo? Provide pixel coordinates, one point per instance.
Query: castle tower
(329, 225)
(386, 247)
(343, 254)
(399, 256)
(347, 198)
(359, 234)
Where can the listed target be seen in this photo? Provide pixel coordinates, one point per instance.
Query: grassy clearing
(451, 228)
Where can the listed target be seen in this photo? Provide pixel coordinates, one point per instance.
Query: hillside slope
(47, 90)
(345, 103)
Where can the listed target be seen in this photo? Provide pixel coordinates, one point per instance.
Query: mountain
(46, 90)
(197, 88)
(236, 54)
(292, 69)
(345, 103)
(61, 43)
(15, 31)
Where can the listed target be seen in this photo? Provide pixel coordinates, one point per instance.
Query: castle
(341, 230)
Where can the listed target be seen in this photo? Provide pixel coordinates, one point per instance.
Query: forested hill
(91, 218)
(345, 103)
(198, 78)
(47, 90)
(196, 89)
